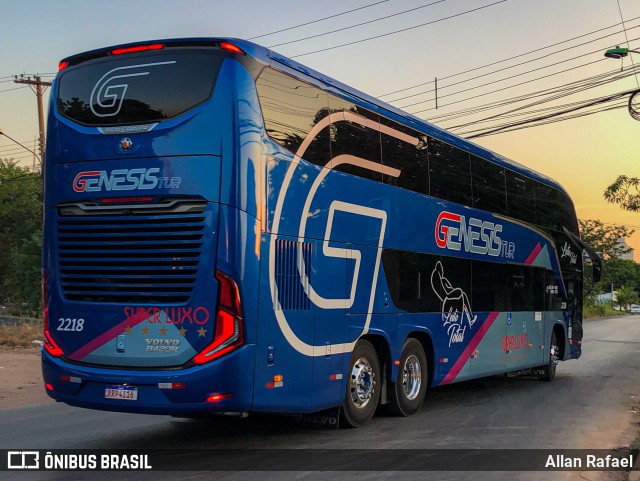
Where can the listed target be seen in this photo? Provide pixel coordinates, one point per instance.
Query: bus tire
(363, 386)
(411, 386)
(549, 369)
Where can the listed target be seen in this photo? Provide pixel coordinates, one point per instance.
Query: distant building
(623, 244)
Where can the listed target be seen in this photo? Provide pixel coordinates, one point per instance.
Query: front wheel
(411, 386)
(363, 386)
(549, 369)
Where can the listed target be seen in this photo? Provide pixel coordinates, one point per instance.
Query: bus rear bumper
(157, 391)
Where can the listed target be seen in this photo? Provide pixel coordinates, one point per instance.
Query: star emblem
(163, 331)
(127, 330)
(201, 332)
(145, 330)
(182, 331)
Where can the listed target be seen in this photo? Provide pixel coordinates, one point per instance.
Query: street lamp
(2, 132)
(619, 52)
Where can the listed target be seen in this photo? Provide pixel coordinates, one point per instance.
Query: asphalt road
(586, 406)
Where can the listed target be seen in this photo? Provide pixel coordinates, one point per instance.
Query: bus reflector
(62, 65)
(214, 398)
(231, 47)
(49, 387)
(228, 333)
(137, 48)
(171, 385)
(49, 344)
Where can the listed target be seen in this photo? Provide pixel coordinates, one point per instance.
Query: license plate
(125, 393)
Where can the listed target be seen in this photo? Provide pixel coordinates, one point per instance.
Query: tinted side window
(489, 291)
(521, 200)
(539, 288)
(291, 108)
(405, 149)
(489, 187)
(449, 172)
(546, 206)
(553, 298)
(526, 288)
(568, 214)
(356, 136)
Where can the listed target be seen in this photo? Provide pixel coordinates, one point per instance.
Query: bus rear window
(138, 89)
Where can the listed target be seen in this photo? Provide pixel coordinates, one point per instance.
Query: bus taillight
(231, 47)
(49, 344)
(137, 48)
(228, 333)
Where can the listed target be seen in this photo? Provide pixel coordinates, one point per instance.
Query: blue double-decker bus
(227, 230)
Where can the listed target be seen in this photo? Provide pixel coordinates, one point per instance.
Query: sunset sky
(508, 49)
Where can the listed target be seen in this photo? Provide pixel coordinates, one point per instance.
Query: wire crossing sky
(502, 68)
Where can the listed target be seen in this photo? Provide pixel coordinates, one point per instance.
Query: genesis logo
(477, 236)
(123, 179)
(109, 92)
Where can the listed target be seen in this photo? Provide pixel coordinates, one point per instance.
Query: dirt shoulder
(21, 378)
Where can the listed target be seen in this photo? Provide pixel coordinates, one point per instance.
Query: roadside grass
(20, 335)
(602, 310)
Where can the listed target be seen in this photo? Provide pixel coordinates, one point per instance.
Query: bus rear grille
(132, 257)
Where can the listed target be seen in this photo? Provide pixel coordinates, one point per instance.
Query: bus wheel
(549, 369)
(363, 386)
(411, 386)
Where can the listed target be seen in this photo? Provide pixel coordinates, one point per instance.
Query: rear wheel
(363, 386)
(411, 386)
(549, 369)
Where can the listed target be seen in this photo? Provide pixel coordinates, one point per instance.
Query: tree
(625, 191)
(20, 235)
(626, 295)
(616, 272)
(604, 238)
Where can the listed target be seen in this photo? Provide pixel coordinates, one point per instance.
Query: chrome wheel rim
(411, 377)
(554, 354)
(362, 383)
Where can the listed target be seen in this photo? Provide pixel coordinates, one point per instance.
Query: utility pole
(39, 90)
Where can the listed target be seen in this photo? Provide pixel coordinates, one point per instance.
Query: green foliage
(20, 236)
(626, 295)
(616, 272)
(604, 238)
(625, 191)
(600, 310)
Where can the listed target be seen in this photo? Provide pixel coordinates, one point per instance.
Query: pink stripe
(533, 255)
(466, 354)
(107, 336)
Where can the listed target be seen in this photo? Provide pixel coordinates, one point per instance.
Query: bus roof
(274, 59)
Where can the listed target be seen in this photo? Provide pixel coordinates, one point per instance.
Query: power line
(510, 67)
(357, 24)
(318, 20)
(14, 88)
(626, 37)
(512, 86)
(541, 120)
(504, 78)
(595, 80)
(401, 30)
(509, 58)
